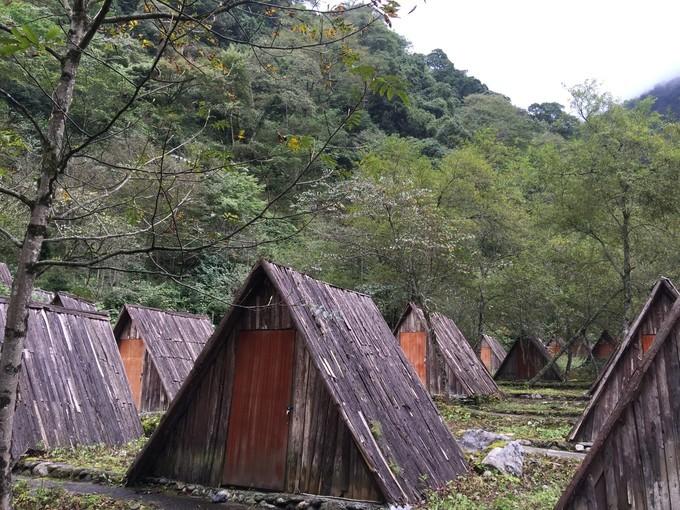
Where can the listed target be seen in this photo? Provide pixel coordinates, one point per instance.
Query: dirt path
(166, 501)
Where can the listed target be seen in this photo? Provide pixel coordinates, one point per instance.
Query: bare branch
(15, 194)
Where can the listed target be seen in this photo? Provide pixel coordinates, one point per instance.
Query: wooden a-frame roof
(604, 338)
(173, 340)
(456, 351)
(73, 302)
(72, 387)
(635, 459)
(366, 375)
(5, 275)
(663, 290)
(496, 348)
(528, 346)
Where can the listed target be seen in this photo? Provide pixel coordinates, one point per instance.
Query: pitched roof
(496, 347)
(627, 463)
(73, 302)
(173, 340)
(539, 350)
(72, 387)
(366, 375)
(662, 287)
(604, 338)
(457, 352)
(5, 275)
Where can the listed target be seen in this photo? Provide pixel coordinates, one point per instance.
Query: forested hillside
(435, 189)
(666, 98)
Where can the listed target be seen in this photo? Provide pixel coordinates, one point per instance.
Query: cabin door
(414, 345)
(257, 433)
(485, 354)
(132, 353)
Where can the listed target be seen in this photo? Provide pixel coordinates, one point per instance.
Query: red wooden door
(485, 355)
(257, 436)
(414, 345)
(647, 341)
(132, 353)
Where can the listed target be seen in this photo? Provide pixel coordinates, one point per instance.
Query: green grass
(539, 488)
(523, 406)
(551, 392)
(52, 498)
(112, 459)
(540, 430)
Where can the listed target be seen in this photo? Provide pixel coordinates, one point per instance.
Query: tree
(610, 185)
(84, 152)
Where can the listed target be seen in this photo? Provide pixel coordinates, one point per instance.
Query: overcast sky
(529, 49)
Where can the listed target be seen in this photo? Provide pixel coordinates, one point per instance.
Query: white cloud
(529, 49)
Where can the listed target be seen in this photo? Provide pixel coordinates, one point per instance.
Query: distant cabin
(5, 275)
(635, 459)
(442, 357)
(159, 348)
(491, 352)
(604, 347)
(526, 358)
(303, 389)
(578, 347)
(72, 388)
(74, 302)
(606, 390)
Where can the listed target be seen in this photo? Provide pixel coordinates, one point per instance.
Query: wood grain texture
(605, 346)
(526, 358)
(608, 388)
(74, 302)
(173, 341)
(634, 461)
(5, 275)
(362, 425)
(72, 387)
(414, 345)
(452, 367)
(491, 353)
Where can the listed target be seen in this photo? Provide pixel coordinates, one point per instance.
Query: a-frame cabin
(606, 391)
(5, 275)
(303, 389)
(604, 347)
(158, 348)
(444, 360)
(635, 459)
(73, 302)
(526, 358)
(72, 389)
(491, 353)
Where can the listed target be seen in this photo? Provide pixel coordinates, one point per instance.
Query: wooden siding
(452, 367)
(72, 388)
(358, 410)
(491, 353)
(132, 353)
(622, 364)
(5, 275)
(526, 358)
(173, 341)
(604, 347)
(635, 460)
(74, 302)
(414, 345)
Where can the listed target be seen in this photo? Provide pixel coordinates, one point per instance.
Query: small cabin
(635, 459)
(158, 348)
(67, 300)
(441, 355)
(524, 361)
(606, 391)
(604, 347)
(72, 389)
(491, 352)
(303, 389)
(5, 275)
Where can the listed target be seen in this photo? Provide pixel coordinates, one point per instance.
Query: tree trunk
(627, 270)
(18, 308)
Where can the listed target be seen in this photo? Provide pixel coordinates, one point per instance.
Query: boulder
(508, 459)
(474, 440)
(41, 469)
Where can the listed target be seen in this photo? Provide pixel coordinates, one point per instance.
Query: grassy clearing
(551, 392)
(523, 406)
(112, 459)
(539, 488)
(52, 498)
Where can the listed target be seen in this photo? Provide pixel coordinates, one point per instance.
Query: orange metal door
(257, 436)
(647, 341)
(132, 352)
(414, 345)
(485, 355)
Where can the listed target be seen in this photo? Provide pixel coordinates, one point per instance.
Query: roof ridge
(94, 314)
(188, 315)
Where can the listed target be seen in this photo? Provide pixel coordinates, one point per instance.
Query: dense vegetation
(512, 221)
